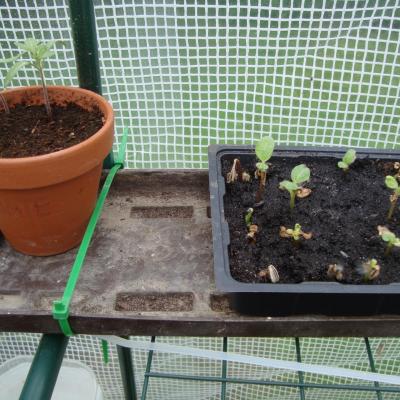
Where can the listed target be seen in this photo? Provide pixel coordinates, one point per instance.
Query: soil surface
(342, 212)
(28, 131)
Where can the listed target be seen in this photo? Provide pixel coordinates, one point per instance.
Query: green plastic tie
(104, 347)
(61, 306)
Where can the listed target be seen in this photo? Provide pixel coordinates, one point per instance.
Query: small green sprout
(296, 234)
(391, 183)
(370, 269)
(347, 160)
(264, 149)
(389, 237)
(299, 174)
(36, 52)
(249, 217)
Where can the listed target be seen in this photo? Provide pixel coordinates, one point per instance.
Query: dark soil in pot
(28, 131)
(343, 212)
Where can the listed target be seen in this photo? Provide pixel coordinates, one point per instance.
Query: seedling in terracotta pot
(370, 269)
(335, 271)
(347, 160)
(264, 149)
(236, 173)
(296, 234)
(299, 174)
(389, 237)
(37, 52)
(270, 273)
(391, 183)
(7, 80)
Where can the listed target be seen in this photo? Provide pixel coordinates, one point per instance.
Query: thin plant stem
(389, 248)
(261, 187)
(392, 206)
(45, 94)
(292, 199)
(4, 103)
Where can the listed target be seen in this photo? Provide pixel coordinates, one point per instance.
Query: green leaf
(349, 157)
(342, 165)
(13, 71)
(391, 182)
(265, 148)
(389, 237)
(11, 59)
(30, 45)
(300, 174)
(288, 185)
(262, 166)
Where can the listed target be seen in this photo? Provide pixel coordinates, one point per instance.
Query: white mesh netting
(339, 352)
(183, 74)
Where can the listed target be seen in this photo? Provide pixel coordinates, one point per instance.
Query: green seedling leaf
(11, 59)
(391, 182)
(342, 165)
(388, 237)
(262, 166)
(349, 157)
(300, 174)
(265, 148)
(288, 185)
(30, 45)
(248, 218)
(13, 71)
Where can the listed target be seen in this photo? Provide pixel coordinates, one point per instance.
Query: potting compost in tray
(342, 213)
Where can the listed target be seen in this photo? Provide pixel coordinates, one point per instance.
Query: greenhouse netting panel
(339, 352)
(184, 74)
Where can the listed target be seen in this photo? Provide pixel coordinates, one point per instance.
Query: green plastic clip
(61, 306)
(104, 347)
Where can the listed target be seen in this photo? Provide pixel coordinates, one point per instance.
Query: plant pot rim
(106, 109)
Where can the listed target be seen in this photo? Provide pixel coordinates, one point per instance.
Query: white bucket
(75, 381)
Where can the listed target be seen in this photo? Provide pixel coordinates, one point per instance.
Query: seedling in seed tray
(335, 271)
(299, 174)
(370, 269)
(236, 173)
(36, 52)
(389, 237)
(248, 218)
(264, 149)
(296, 234)
(270, 273)
(347, 160)
(391, 183)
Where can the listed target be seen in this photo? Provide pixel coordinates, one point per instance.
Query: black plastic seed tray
(267, 299)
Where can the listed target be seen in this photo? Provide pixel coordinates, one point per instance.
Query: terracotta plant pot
(46, 201)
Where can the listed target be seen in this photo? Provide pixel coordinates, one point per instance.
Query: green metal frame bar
(362, 388)
(43, 373)
(372, 366)
(224, 368)
(147, 373)
(84, 35)
(300, 373)
(127, 372)
(301, 384)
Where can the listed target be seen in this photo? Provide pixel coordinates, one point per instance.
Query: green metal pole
(224, 368)
(127, 372)
(42, 376)
(84, 35)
